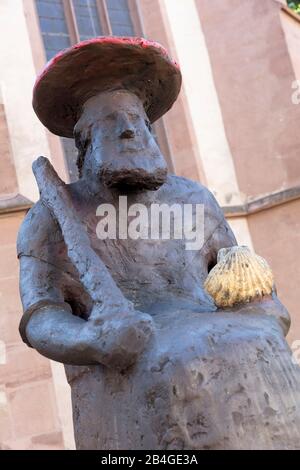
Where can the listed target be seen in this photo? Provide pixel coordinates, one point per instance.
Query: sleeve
(218, 232)
(222, 237)
(41, 279)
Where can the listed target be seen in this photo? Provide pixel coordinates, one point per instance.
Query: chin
(134, 179)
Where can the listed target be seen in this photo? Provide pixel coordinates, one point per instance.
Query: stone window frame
(10, 198)
(104, 7)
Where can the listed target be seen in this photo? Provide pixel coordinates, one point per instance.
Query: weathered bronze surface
(152, 363)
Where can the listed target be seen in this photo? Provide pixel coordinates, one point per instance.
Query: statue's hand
(269, 305)
(116, 340)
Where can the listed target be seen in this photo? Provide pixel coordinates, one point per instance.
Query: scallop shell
(238, 277)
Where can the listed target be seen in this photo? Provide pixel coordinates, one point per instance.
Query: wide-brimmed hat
(102, 64)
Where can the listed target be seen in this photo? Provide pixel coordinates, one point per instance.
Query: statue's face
(114, 136)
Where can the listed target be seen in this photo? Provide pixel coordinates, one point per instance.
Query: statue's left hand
(269, 305)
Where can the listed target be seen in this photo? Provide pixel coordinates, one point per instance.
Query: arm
(220, 237)
(59, 335)
(223, 237)
(49, 324)
(269, 305)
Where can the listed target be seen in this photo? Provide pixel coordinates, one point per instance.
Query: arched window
(66, 22)
(53, 26)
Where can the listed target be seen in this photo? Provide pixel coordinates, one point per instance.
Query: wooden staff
(93, 273)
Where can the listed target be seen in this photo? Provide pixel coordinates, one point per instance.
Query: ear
(148, 125)
(82, 140)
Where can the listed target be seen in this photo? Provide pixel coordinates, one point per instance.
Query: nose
(126, 128)
(127, 134)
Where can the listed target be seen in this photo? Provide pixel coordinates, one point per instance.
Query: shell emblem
(239, 276)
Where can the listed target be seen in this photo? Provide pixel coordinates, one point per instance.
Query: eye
(149, 127)
(133, 117)
(111, 117)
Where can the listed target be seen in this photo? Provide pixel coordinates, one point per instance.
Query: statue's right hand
(119, 339)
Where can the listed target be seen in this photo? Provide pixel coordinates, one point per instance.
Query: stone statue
(152, 362)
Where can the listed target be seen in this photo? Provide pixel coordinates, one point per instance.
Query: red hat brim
(102, 64)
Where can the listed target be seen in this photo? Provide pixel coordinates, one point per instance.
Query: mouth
(134, 179)
(131, 147)
(131, 150)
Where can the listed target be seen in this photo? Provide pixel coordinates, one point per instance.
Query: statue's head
(115, 141)
(105, 93)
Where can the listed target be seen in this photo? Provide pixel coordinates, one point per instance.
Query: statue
(153, 360)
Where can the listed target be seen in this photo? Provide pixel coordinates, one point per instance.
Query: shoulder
(187, 188)
(37, 231)
(183, 184)
(186, 191)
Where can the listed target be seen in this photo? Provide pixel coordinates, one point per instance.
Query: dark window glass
(87, 19)
(119, 17)
(56, 37)
(53, 26)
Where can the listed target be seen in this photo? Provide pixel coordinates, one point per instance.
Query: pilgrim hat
(102, 64)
